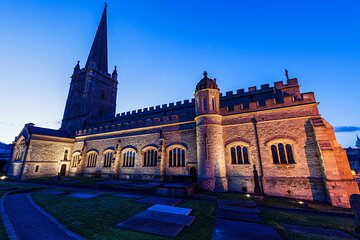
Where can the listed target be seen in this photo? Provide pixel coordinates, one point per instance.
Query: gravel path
(29, 222)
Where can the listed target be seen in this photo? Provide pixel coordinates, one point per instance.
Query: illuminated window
(150, 157)
(129, 158)
(282, 153)
(91, 159)
(239, 154)
(177, 157)
(108, 157)
(75, 159)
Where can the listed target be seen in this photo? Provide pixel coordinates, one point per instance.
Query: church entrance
(63, 170)
(193, 174)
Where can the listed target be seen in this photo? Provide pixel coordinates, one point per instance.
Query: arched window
(205, 104)
(213, 104)
(108, 157)
(282, 153)
(150, 157)
(177, 157)
(239, 154)
(103, 95)
(129, 158)
(75, 159)
(66, 155)
(101, 112)
(91, 159)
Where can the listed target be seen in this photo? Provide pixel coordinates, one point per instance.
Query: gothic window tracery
(177, 156)
(150, 157)
(75, 159)
(129, 158)
(91, 159)
(282, 153)
(108, 157)
(239, 154)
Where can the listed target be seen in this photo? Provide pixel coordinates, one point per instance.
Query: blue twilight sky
(161, 48)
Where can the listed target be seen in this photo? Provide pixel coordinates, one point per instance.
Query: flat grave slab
(167, 217)
(83, 195)
(236, 230)
(238, 208)
(151, 226)
(318, 231)
(128, 195)
(238, 216)
(57, 192)
(7, 188)
(159, 200)
(170, 209)
(242, 203)
(204, 197)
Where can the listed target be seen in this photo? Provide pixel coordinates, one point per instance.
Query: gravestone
(355, 205)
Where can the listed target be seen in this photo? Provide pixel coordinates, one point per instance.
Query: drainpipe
(254, 122)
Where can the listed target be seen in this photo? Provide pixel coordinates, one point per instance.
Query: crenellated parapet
(285, 101)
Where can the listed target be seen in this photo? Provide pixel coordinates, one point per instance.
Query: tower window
(103, 95)
(205, 104)
(101, 112)
(213, 104)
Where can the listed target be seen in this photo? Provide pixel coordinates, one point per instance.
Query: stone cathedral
(215, 138)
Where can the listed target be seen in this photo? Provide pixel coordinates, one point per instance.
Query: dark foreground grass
(3, 234)
(96, 218)
(276, 217)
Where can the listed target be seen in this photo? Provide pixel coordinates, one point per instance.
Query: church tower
(92, 94)
(209, 136)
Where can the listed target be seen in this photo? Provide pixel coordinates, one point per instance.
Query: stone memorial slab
(159, 200)
(241, 203)
(170, 209)
(204, 197)
(7, 188)
(239, 216)
(151, 226)
(57, 192)
(236, 230)
(334, 233)
(167, 217)
(83, 195)
(238, 208)
(128, 195)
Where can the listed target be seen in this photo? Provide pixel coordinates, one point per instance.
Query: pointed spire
(77, 67)
(357, 144)
(98, 58)
(114, 73)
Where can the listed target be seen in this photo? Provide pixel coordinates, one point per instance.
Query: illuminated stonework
(214, 137)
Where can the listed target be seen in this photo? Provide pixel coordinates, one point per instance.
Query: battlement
(280, 85)
(270, 103)
(158, 108)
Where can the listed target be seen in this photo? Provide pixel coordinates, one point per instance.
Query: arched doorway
(63, 170)
(193, 174)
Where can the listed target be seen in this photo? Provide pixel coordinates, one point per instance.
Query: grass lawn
(96, 218)
(276, 217)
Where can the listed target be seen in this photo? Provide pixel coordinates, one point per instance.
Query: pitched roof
(49, 132)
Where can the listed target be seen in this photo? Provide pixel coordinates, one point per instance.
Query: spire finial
(205, 74)
(287, 74)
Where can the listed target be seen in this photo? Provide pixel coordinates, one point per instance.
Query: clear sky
(161, 48)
